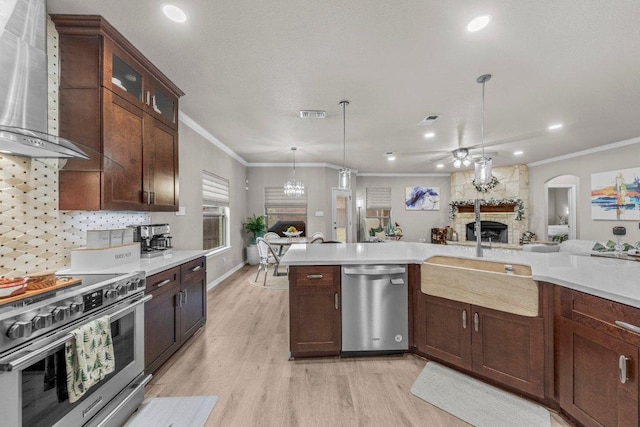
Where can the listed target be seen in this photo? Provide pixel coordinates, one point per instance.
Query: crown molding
(209, 137)
(593, 150)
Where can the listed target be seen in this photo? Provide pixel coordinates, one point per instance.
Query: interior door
(341, 215)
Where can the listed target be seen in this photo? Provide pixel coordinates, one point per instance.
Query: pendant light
(344, 181)
(293, 187)
(483, 164)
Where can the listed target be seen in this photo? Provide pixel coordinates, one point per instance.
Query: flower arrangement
(519, 208)
(483, 188)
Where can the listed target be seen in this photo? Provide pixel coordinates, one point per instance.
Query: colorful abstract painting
(422, 199)
(615, 195)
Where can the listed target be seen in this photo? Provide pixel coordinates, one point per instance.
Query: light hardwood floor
(241, 356)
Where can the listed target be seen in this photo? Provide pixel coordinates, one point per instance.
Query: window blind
(274, 196)
(378, 197)
(215, 190)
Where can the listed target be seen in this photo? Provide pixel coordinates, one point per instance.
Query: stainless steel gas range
(33, 333)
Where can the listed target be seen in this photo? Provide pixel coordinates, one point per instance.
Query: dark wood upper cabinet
(116, 102)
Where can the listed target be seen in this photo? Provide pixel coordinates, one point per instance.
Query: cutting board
(625, 257)
(59, 285)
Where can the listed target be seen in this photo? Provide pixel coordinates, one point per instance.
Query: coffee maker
(154, 239)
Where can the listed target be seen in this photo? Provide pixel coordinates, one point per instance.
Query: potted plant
(257, 227)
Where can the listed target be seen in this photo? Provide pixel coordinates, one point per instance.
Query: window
(278, 207)
(215, 211)
(378, 213)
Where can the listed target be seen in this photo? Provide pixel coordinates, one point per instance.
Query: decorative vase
(252, 255)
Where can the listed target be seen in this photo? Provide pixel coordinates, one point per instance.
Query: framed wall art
(422, 199)
(615, 195)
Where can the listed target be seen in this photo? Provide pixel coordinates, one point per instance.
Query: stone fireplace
(491, 231)
(513, 183)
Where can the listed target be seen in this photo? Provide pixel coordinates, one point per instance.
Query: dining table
(281, 242)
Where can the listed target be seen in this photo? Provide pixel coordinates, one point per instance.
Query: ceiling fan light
(483, 171)
(457, 163)
(466, 162)
(460, 153)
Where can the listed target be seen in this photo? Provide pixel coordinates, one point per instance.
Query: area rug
(475, 402)
(173, 412)
(273, 282)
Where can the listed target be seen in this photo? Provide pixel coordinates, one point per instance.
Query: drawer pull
(161, 284)
(314, 276)
(464, 319)
(623, 363)
(196, 268)
(476, 322)
(628, 326)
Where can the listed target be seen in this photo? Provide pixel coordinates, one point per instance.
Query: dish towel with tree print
(89, 356)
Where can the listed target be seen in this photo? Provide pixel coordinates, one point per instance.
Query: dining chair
(316, 235)
(271, 235)
(268, 256)
(318, 239)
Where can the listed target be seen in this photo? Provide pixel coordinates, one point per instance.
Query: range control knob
(76, 307)
(132, 285)
(42, 321)
(110, 293)
(122, 290)
(60, 313)
(19, 330)
(141, 283)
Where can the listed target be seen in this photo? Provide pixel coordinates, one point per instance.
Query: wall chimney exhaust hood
(23, 90)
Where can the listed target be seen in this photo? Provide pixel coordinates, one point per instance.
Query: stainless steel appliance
(374, 309)
(154, 239)
(32, 351)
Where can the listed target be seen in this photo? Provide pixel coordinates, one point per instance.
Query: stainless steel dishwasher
(374, 309)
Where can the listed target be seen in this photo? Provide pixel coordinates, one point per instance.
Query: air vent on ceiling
(429, 120)
(313, 114)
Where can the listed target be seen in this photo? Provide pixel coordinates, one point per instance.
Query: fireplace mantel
(508, 207)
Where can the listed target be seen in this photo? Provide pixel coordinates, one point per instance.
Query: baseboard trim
(219, 280)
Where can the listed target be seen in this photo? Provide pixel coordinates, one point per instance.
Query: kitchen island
(575, 348)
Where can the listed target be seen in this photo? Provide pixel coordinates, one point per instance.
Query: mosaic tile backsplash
(34, 234)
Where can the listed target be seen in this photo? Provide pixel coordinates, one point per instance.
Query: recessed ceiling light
(390, 155)
(555, 126)
(518, 153)
(440, 165)
(174, 13)
(478, 23)
(429, 135)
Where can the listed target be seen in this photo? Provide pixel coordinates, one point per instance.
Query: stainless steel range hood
(23, 86)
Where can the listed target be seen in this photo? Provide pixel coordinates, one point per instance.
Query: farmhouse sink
(499, 286)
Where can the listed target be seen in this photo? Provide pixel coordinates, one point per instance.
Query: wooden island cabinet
(597, 359)
(314, 310)
(119, 105)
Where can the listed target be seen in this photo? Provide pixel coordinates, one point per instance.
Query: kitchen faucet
(478, 229)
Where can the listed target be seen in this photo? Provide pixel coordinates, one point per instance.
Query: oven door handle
(134, 389)
(19, 362)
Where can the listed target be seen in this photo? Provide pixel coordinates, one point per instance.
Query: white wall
(196, 154)
(414, 224)
(619, 157)
(318, 182)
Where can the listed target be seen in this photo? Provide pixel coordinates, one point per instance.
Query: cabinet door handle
(161, 284)
(314, 276)
(196, 268)
(148, 95)
(628, 326)
(623, 363)
(336, 301)
(464, 319)
(145, 196)
(476, 322)
(179, 302)
(153, 198)
(185, 296)
(153, 102)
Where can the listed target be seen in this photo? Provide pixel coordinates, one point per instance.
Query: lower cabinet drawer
(163, 281)
(314, 275)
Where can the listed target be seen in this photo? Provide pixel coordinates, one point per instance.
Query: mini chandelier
(483, 164)
(344, 181)
(461, 157)
(293, 187)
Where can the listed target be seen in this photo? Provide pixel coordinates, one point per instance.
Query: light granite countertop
(616, 280)
(150, 266)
